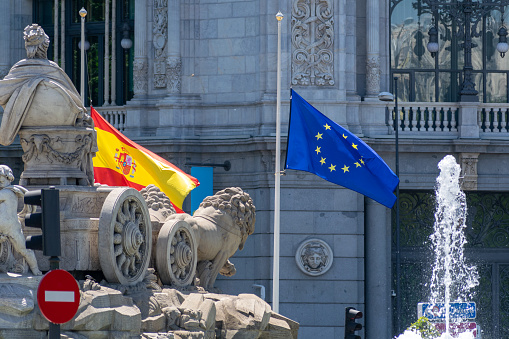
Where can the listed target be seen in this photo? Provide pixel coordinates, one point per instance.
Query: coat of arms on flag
(125, 162)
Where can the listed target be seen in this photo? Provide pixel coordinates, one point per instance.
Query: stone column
(55, 30)
(107, 53)
(113, 52)
(5, 43)
(373, 48)
(378, 269)
(140, 64)
(62, 34)
(173, 60)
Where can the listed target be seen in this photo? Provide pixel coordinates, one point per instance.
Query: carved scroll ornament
(312, 43)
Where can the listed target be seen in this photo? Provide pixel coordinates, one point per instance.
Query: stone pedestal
(57, 156)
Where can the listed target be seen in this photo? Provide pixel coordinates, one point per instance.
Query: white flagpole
(277, 185)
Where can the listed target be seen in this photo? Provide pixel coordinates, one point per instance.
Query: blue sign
(206, 178)
(459, 310)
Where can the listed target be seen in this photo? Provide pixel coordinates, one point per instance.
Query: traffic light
(351, 314)
(48, 220)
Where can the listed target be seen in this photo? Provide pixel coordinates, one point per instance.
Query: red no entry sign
(58, 296)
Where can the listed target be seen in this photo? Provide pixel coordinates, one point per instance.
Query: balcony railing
(115, 115)
(423, 118)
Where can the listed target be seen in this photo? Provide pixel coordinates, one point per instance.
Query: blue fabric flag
(318, 145)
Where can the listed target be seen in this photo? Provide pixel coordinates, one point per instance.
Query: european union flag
(318, 145)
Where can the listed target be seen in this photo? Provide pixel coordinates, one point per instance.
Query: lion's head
(239, 205)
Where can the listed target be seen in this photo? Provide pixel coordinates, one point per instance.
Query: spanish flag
(122, 162)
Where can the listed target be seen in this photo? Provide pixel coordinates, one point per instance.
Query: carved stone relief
(314, 257)
(312, 42)
(140, 75)
(159, 40)
(373, 72)
(469, 170)
(174, 67)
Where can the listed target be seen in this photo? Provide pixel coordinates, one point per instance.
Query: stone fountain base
(142, 311)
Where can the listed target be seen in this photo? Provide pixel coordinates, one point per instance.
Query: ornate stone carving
(373, 72)
(314, 257)
(10, 219)
(174, 72)
(469, 169)
(140, 76)
(312, 42)
(60, 154)
(159, 29)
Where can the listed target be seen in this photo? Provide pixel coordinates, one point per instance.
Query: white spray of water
(452, 278)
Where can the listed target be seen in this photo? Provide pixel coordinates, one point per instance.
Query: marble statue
(38, 96)
(10, 225)
(220, 226)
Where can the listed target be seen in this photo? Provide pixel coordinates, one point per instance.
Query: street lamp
(386, 96)
(83, 14)
(467, 14)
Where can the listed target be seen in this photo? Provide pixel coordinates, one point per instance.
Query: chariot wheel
(176, 253)
(125, 237)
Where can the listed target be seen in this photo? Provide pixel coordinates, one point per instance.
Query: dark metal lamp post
(467, 14)
(386, 96)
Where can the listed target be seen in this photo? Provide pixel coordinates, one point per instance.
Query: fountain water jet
(452, 279)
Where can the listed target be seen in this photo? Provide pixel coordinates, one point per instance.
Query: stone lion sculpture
(221, 225)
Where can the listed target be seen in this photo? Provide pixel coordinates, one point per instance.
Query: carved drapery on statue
(312, 43)
(41, 104)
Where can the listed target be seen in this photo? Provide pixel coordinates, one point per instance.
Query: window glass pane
(448, 87)
(95, 10)
(403, 86)
(44, 12)
(478, 81)
(409, 37)
(425, 86)
(496, 87)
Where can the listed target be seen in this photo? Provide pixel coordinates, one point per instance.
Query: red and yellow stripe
(150, 168)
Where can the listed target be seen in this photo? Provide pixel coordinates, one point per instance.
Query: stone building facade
(198, 85)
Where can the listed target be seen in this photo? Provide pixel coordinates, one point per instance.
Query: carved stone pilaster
(140, 76)
(373, 72)
(469, 169)
(312, 43)
(159, 29)
(174, 74)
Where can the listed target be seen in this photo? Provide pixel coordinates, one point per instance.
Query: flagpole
(277, 184)
(83, 14)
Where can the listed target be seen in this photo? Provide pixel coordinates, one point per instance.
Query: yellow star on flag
(326, 126)
(318, 136)
(345, 169)
(322, 161)
(357, 164)
(332, 167)
(362, 161)
(317, 150)
(354, 145)
(345, 136)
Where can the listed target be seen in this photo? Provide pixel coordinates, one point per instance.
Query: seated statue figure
(38, 95)
(10, 225)
(35, 81)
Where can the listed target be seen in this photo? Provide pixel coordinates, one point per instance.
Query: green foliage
(424, 328)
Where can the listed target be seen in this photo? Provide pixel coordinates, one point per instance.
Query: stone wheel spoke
(176, 253)
(125, 235)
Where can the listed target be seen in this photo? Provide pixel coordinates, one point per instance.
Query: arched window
(427, 78)
(44, 15)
